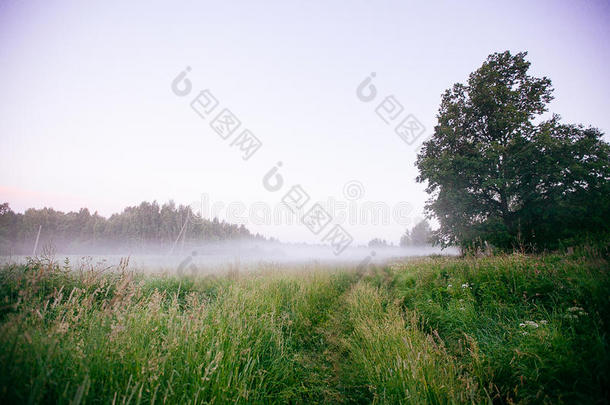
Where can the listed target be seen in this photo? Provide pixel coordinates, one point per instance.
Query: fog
(218, 257)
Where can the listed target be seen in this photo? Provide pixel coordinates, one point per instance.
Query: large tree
(497, 173)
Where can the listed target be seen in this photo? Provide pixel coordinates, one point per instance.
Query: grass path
(382, 355)
(436, 331)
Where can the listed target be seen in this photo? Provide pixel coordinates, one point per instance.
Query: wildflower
(449, 286)
(577, 311)
(465, 285)
(543, 322)
(528, 323)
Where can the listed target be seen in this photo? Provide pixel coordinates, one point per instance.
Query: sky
(89, 117)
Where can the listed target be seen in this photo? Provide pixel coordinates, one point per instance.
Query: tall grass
(504, 329)
(124, 339)
(530, 329)
(387, 352)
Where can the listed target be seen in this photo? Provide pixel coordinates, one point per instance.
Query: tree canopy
(420, 235)
(141, 226)
(498, 173)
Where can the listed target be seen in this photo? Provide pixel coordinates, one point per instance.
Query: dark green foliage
(483, 310)
(142, 226)
(497, 176)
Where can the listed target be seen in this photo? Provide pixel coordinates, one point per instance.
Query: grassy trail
(510, 329)
(382, 355)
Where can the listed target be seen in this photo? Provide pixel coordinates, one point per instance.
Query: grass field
(505, 329)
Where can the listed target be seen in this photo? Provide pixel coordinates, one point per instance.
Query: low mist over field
(210, 257)
(304, 202)
(174, 239)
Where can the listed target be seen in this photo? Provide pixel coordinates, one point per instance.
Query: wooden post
(37, 237)
(184, 236)
(178, 238)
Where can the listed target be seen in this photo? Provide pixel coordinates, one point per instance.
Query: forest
(136, 228)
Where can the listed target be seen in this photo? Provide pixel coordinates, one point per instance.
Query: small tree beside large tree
(420, 235)
(498, 174)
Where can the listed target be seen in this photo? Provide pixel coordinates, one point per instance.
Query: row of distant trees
(420, 235)
(142, 226)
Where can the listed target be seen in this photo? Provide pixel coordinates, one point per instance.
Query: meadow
(503, 329)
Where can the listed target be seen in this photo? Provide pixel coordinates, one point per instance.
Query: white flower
(528, 323)
(543, 322)
(465, 285)
(579, 311)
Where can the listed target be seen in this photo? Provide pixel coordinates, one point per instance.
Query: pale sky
(88, 117)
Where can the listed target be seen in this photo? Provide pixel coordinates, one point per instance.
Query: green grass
(506, 329)
(531, 329)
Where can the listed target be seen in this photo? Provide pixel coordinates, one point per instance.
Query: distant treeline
(141, 227)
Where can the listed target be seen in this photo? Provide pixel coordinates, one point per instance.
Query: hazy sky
(88, 117)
